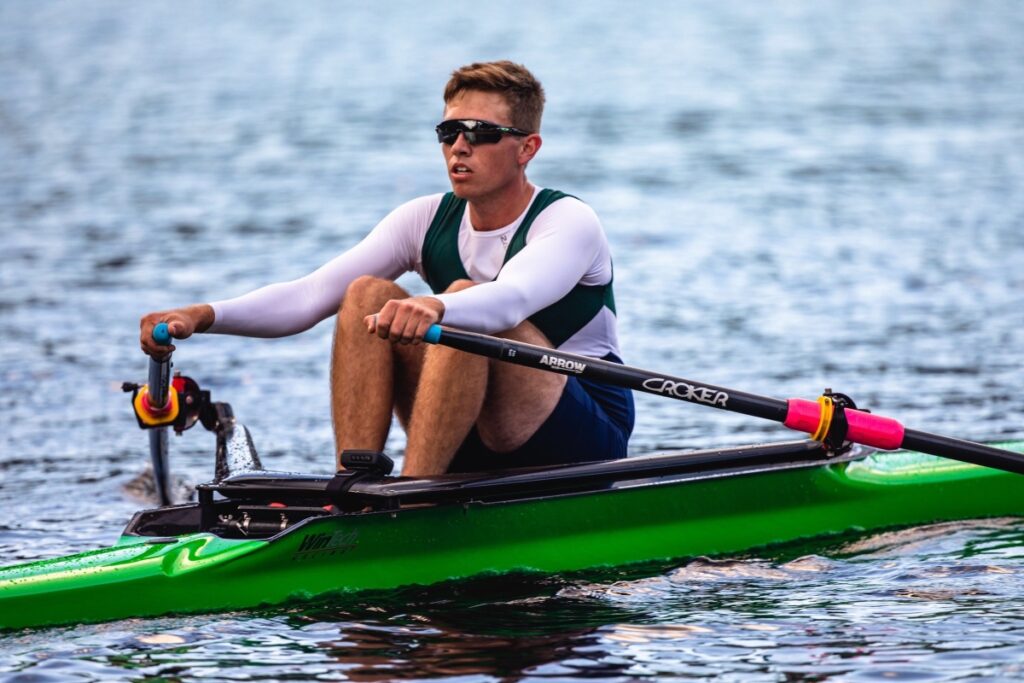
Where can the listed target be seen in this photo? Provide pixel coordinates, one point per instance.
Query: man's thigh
(586, 425)
(519, 399)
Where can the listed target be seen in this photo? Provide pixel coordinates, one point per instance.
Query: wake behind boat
(257, 537)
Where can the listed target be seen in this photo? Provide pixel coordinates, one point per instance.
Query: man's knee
(528, 333)
(368, 286)
(366, 294)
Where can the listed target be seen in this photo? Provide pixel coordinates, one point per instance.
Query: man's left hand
(405, 321)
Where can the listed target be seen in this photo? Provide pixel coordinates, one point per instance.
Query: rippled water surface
(798, 195)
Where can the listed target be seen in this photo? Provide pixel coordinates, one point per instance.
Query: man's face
(480, 171)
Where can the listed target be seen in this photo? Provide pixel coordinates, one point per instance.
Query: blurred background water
(798, 195)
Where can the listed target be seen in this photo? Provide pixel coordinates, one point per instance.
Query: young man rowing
(502, 257)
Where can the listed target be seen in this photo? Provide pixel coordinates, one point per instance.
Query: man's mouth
(460, 169)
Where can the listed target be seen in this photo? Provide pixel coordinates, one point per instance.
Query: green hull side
(199, 572)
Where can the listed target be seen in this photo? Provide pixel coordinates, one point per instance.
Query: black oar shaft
(965, 451)
(613, 373)
(861, 426)
(159, 382)
(159, 455)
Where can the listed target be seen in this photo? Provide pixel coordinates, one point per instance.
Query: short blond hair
(514, 82)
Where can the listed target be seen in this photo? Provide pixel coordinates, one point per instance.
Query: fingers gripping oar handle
(799, 414)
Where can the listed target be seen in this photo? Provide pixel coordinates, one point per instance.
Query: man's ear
(529, 147)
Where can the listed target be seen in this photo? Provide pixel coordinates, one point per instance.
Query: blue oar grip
(161, 334)
(433, 335)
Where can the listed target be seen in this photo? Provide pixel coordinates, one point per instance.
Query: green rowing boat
(255, 537)
(263, 538)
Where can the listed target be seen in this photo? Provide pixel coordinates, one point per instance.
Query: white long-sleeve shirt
(566, 246)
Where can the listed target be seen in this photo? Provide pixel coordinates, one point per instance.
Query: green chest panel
(442, 266)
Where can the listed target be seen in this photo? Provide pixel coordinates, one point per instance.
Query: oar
(817, 418)
(159, 401)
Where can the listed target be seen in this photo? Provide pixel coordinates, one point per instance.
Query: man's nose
(461, 146)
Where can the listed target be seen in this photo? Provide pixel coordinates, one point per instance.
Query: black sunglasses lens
(448, 133)
(483, 137)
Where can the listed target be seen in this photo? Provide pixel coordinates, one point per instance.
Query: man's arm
(288, 308)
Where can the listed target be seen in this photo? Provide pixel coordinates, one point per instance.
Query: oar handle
(160, 370)
(162, 334)
(433, 335)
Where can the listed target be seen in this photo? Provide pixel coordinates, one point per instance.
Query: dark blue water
(798, 195)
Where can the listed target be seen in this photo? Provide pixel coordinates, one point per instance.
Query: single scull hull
(712, 510)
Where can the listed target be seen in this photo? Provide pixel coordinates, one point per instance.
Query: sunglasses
(476, 132)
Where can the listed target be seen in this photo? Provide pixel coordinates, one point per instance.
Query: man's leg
(449, 396)
(508, 403)
(369, 375)
(448, 400)
(438, 393)
(519, 399)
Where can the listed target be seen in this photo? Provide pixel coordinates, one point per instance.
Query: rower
(501, 256)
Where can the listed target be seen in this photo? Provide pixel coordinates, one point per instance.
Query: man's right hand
(405, 321)
(182, 323)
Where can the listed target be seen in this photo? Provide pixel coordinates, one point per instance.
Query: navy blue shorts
(591, 421)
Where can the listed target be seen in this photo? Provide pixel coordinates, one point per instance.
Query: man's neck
(497, 211)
